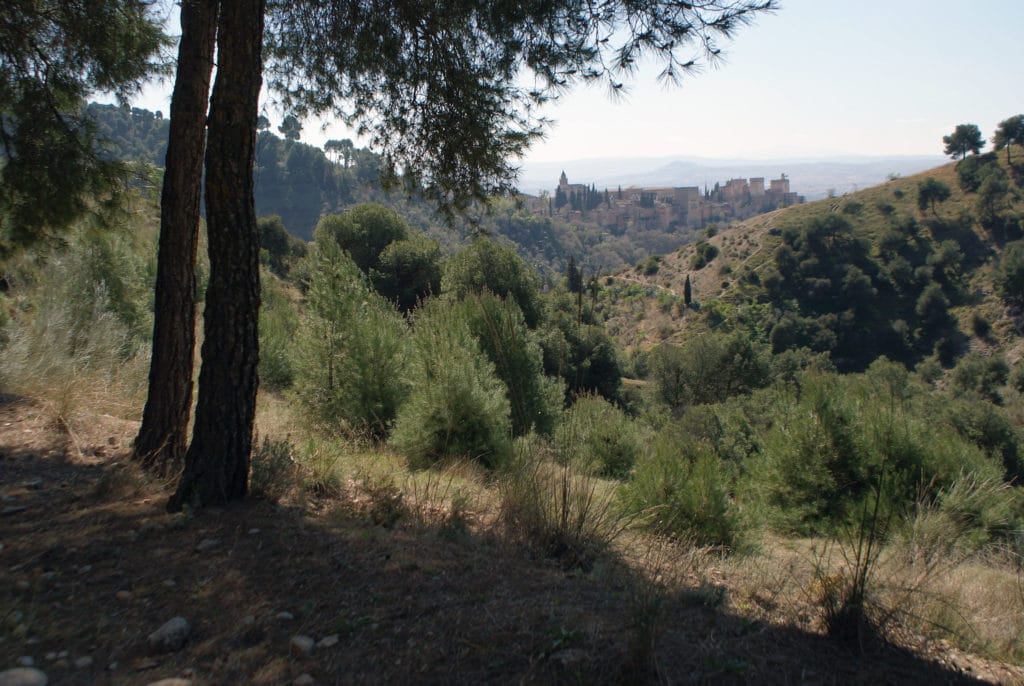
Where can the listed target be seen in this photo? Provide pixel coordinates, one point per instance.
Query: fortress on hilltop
(666, 209)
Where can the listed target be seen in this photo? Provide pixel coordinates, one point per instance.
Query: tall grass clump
(279, 322)
(351, 349)
(600, 437)
(272, 469)
(77, 335)
(682, 489)
(456, 406)
(557, 506)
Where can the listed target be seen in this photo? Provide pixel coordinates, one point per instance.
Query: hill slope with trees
(916, 268)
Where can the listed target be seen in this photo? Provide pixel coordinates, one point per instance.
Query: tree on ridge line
(964, 139)
(1010, 132)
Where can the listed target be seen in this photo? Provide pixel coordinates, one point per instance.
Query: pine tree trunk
(162, 437)
(217, 462)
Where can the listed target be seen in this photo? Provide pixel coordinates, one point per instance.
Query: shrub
(364, 231)
(272, 469)
(75, 347)
(709, 368)
(456, 407)
(681, 488)
(278, 323)
(981, 376)
(1010, 273)
(705, 253)
(500, 330)
(599, 435)
(578, 350)
(841, 437)
(408, 271)
(351, 350)
(486, 265)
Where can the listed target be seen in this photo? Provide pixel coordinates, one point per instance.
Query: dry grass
(436, 591)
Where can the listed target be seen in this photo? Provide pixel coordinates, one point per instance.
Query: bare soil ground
(91, 564)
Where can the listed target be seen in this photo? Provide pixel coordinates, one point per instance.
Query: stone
(328, 641)
(285, 616)
(207, 544)
(83, 662)
(253, 532)
(12, 510)
(26, 661)
(304, 680)
(301, 646)
(171, 636)
(123, 596)
(33, 484)
(23, 676)
(50, 656)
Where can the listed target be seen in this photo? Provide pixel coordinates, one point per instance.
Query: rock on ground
(171, 636)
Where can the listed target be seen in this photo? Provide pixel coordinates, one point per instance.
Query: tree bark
(217, 461)
(161, 441)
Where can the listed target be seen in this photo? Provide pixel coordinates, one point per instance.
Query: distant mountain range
(812, 178)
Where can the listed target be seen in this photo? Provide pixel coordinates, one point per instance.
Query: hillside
(94, 566)
(300, 183)
(471, 491)
(953, 245)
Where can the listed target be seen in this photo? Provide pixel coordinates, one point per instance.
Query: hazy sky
(817, 78)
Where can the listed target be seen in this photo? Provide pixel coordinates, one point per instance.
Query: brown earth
(91, 564)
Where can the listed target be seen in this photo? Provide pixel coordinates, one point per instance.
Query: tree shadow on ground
(92, 568)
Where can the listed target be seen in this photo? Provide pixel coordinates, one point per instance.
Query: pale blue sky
(817, 78)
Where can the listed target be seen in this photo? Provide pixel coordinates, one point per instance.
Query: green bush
(843, 439)
(601, 435)
(486, 265)
(709, 368)
(350, 352)
(1010, 272)
(363, 231)
(577, 349)
(499, 328)
(408, 271)
(705, 253)
(980, 376)
(682, 489)
(456, 407)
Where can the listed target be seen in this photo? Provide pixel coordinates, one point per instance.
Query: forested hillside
(920, 268)
(300, 183)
